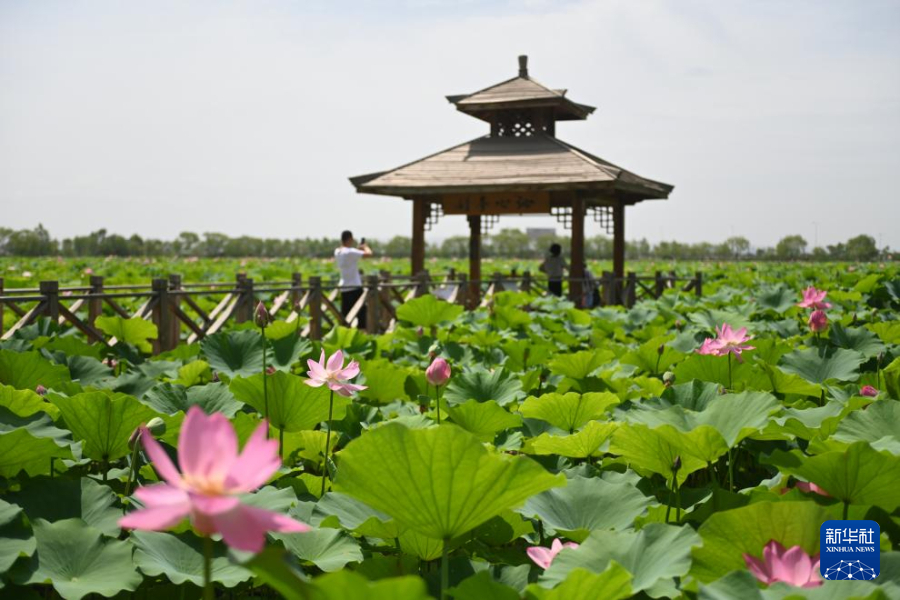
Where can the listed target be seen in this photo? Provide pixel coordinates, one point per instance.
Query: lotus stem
(51, 466)
(677, 500)
(730, 471)
(327, 442)
(265, 380)
(208, 592)
(281, 443)
(437, 392)
(730, 381)
(445, 568)
(133, 468)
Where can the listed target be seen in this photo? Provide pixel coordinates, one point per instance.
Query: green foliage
(78, 561)
(135, 331)
(557, 423)
(293, 405)
(428, 311)
(440, 482)
(103, 421)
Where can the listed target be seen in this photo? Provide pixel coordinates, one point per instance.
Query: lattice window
(521, 124)
(434, 215)
(604, 216)
(563, 215)
(522, 129)
(488, 222)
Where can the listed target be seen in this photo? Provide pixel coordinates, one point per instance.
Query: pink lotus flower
(794, 567)
(42, 391)
(868, 390)
(813, 298)
(818, 321)
(811, 488)
(543, 557)
(438, 372)
(709, 346)
(728, 341)
(334, 374)
(212, 477)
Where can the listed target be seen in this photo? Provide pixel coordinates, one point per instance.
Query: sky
(770, 118)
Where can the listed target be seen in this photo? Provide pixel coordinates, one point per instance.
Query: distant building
(536, 233)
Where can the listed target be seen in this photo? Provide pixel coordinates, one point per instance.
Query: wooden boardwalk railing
(177, 308)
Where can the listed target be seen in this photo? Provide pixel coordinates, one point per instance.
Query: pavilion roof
(520, 92)
(486, 164)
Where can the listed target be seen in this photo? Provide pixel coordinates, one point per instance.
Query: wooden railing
(178, 310)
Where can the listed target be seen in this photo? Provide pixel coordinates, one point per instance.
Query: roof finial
(523, 65)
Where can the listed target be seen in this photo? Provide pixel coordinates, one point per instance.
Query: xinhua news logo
(849, 550)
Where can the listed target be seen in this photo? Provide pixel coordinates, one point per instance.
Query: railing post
(497, 281)
(526, 281)
(660, 284)
(50, 291)
(315, 308)
(175, 301)
(698, 284)
(421, 283)
(245, 307)
(95, 305)
(609, 288)
(463, 280)
(630, 289)
(296, 282)
(162, 316)
(373, 304)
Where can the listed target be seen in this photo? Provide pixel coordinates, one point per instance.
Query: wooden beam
(420, 214)
(576, 254)
(474, 260)
(619, 240)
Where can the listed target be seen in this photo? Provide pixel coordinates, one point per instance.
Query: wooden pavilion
(520, 167)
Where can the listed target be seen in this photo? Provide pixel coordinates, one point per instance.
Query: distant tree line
(506, 243)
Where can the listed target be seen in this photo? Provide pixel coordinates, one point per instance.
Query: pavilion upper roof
(518, 93)
(485, 164)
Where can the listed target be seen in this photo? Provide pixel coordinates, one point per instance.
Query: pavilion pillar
(420, 214)
(474, 296)
(576, 254)
(618, 247)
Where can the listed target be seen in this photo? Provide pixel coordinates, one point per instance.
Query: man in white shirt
(347, 259)
(554, 265)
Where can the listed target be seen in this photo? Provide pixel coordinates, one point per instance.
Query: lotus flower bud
(677, 464)
(112, 363)
(215, 377)
(420, 331)
(668, 378)
(818, 321)
(262, 316)
(678, 324)
(40, 390)
(868, 390)
(133, 439)
(438, 372)
(270, 370)
(661, 349)
(156, 426)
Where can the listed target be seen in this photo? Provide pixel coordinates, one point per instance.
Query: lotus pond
(685, 448)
